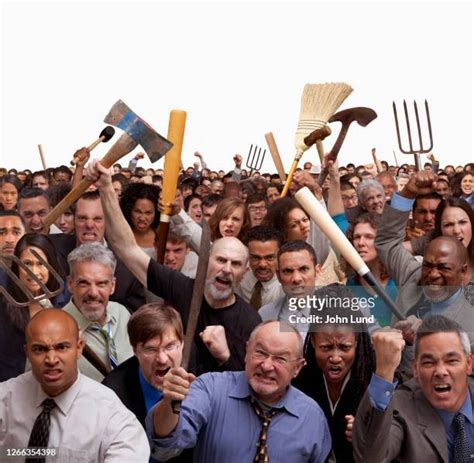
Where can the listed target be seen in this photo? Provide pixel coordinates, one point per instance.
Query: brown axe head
(318, 134)
(363, 116)
(121, 116)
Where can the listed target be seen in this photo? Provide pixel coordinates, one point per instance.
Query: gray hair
(368, 184)
(91, 252)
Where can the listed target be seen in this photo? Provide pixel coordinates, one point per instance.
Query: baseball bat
(176, 126)
(324, 221)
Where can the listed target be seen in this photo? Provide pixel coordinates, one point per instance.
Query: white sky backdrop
(237, 68)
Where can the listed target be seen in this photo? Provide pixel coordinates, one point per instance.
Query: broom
(318, 103)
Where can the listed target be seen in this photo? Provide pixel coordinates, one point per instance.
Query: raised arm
(118, 232)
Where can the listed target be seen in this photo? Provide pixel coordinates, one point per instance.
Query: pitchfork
(254, 161)
(47, 293)
(413, 151)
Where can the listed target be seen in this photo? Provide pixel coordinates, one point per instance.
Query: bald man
(433, 286)
(222, 413)
(225, 320)
(87, 421)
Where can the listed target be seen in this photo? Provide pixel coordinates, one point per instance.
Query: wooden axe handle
(43, 161)
(275, 155)
(121, 147)
(320, 148)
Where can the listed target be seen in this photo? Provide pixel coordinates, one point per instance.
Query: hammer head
(318, 134)
(363, 116)
(107, 134)
(121, 116)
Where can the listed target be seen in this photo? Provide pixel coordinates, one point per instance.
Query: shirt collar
(438, 307)
(64, 400)
(242, 390)
(466, 410)
(84, 323)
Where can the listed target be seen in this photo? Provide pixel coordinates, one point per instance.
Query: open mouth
(161, 371)
(52, 375)
(442, 388)
(225, 282)
(334, 372)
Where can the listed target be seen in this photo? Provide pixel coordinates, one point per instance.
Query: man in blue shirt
(234, 416)
(428, 419)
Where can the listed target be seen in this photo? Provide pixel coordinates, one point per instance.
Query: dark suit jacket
(409, 430)
(124, 381)
(128, 290)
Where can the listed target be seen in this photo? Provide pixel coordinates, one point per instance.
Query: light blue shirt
(218, 419)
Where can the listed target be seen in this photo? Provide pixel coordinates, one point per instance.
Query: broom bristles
(318, 103)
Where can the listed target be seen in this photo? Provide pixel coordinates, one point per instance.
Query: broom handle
(289, 178)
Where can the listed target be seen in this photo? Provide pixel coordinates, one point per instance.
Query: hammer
(136, 132)
(363, 116)
(104, 137)
(317, 137)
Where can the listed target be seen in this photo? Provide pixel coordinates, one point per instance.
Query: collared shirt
(117, 317)
(295, 315)
(447, 419)
(151, 395)
(89, 424)
(217, 418)
(271, 290)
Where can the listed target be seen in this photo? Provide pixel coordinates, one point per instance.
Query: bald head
(231, 243)
(49, 318)
(449, 245)
(287, 334)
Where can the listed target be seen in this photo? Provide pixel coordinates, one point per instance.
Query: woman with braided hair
(339, 364)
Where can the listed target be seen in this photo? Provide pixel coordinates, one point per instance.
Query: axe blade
(121, 116)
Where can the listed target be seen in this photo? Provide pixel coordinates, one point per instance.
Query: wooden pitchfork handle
(122, 146)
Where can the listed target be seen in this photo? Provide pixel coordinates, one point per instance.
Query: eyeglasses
(154, 351)
(257, 208)
(349, 198)
(279, 360)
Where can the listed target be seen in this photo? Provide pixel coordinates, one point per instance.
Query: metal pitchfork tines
(422, 149)
(254, 161)
(47, 293)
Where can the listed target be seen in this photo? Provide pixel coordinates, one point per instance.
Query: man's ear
(80, 343)
(114, 280)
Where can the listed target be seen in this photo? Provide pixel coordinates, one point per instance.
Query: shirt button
(387, 393)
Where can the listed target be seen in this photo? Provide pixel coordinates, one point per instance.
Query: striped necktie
(105, 330)
(39, 436)
(261, 455)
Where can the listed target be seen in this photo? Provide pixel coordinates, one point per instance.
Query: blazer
(128, 290)
(124, 381)
(409, 430)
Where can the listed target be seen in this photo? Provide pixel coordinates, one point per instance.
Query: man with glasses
(260, 286)
(254, 415)
(257, 207)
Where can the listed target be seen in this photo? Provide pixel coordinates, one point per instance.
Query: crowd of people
(295, 358)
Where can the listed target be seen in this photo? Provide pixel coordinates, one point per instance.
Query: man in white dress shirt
(78, 418)
(260, 286)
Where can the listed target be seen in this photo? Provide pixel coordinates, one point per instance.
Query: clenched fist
(214, 339)
(388, 345)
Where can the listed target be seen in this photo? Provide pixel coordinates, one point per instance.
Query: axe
(363, 116)
(340, 242)
(104, 137)
(136, 132)
(176, 125)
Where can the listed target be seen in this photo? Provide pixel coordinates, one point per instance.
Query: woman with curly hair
(462, 186)
(139, 203)
(361, 234)
(339, 365)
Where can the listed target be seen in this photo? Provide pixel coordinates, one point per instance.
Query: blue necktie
(462, 448)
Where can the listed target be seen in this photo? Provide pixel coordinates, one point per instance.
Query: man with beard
(260, 286)
(225, 320)
(433, 286)
(103, 322)
(12, 228)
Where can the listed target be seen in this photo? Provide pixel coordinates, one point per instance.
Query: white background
(237, 68)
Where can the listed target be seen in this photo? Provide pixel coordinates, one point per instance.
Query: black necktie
(39, 436)
(261, 455)
(462, 448)
(256, 297)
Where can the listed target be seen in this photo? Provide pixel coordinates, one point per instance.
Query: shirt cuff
(381, 392)
(401, 203)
